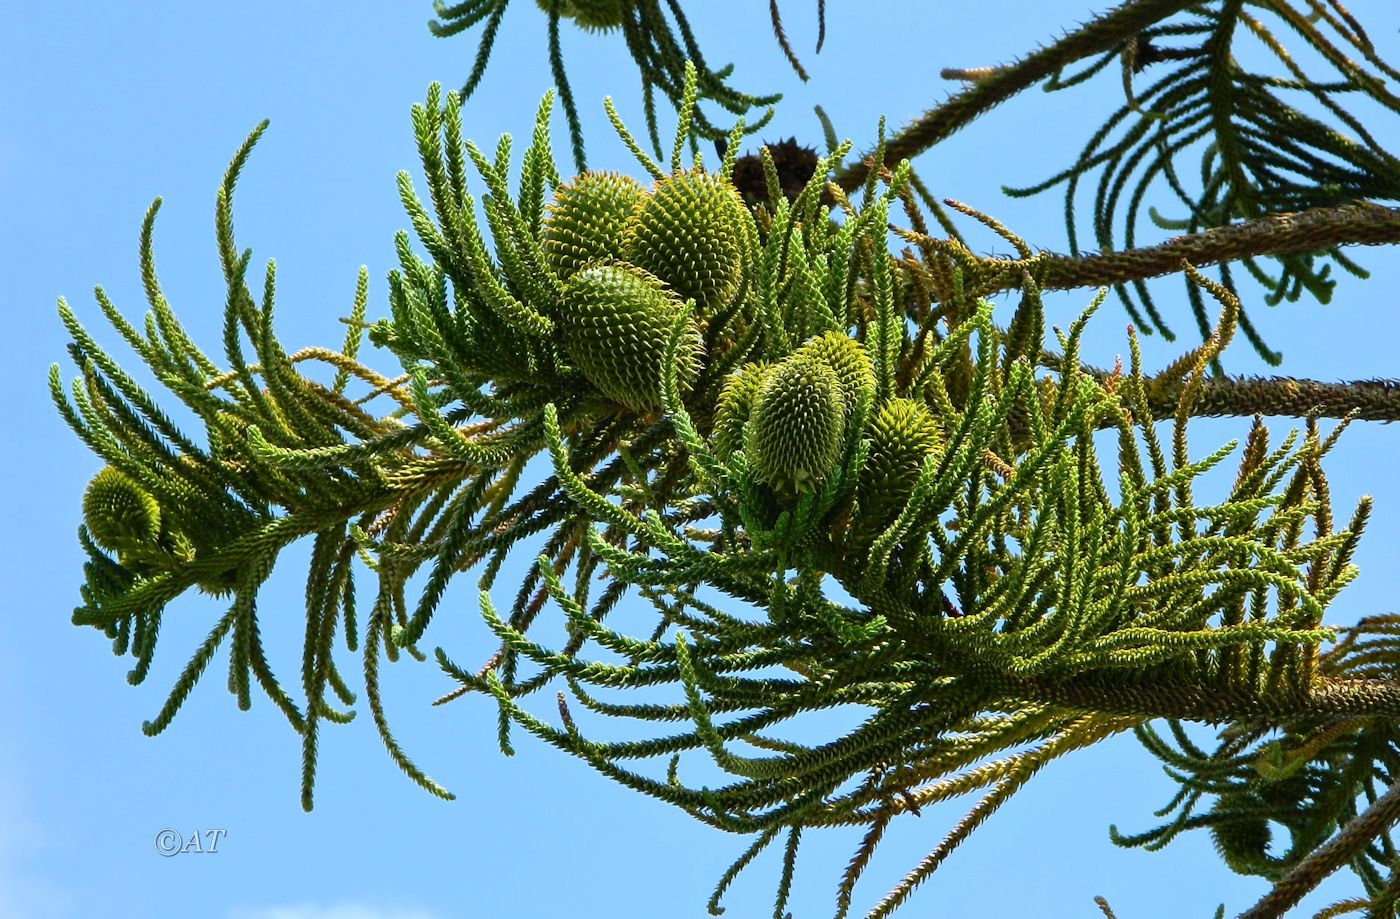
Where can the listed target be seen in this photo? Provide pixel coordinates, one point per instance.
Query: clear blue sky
(107, 105)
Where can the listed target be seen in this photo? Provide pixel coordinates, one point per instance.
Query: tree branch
(1329, 857)
(1368, 400)
(1189, 700)
(1103, 34)
(1314, 230)
(1278, 234)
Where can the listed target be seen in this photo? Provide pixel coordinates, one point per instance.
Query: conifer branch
(1186, 699)
(1324, 861)
(1307, 231)
(1365, 400)
(1105, 33)
(747, 399)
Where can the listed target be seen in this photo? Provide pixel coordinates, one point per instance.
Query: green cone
(593, 15)
(902, 433)
(793, 438)
(733, 407)
(615, 324)
(689, 233)
(587, 219)
(848, 360)
(119, 513)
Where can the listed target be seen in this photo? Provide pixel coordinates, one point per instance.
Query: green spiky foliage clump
(689, 232)
(615, 322)
(587, 220)
(1265, 140)
(1271, 798)
(1011, 598)
(658, 36)
(793, 437)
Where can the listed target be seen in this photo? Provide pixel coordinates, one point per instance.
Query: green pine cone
(119, 513)
(848, 360)
(1242, 841)
(615, 324)
(593, 15)
(689, 233)
(734, 406)
(902, 433)
(793, 438)
(587, 219)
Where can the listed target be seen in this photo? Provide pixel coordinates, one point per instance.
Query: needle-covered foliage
(833, 473)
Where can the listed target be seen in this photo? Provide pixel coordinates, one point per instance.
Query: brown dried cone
(587, 219)
(793, 438)
(794, 163)
(689, 232)
(615, 324)
(901, 435)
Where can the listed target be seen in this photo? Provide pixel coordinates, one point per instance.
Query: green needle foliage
(836, 479)
(1266, 141)
(658, 37)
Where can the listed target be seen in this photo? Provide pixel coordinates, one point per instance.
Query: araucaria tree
(778, 409)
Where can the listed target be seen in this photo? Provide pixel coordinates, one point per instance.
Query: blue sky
(108, 105)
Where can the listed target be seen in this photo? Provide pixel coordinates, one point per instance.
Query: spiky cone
(120, 514)
(587, 220)
(902, 433)
(689, 232)
(1242, 839)
(847, 359)
(615, 323)
(794, 163)
(793, 437)
(593, 15)
(733, 407)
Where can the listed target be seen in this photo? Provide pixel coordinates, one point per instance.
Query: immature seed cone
(902, 433)
(733, 407)
(587, 219)
(794, 433)
(616, 320)
(689, 233)
(848, 360)
(593, 15)
(119, 513)
(1242, 841)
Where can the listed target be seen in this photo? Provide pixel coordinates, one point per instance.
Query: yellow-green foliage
(119, 513)
(586, 221)
(901, 434)
(734, 405)
(616, 320)
(847, 359)
(593, 15)
(794, 433)
(689, 233)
